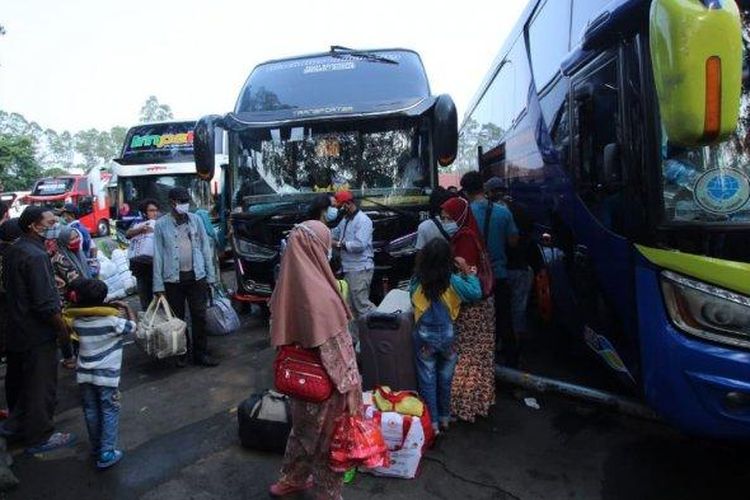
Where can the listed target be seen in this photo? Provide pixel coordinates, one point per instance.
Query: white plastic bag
(160, 334)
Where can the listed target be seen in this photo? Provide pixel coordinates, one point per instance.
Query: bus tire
(102, 228)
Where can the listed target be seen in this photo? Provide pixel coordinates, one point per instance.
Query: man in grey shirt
(353, 236)
(183, 270)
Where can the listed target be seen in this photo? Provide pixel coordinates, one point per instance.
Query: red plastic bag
(356, 442)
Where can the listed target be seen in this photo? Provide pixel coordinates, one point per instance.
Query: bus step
(529, 381)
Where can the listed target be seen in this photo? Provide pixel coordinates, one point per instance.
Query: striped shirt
(100, 350)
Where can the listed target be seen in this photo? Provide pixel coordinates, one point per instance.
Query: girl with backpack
(439, 287)
(473, 389)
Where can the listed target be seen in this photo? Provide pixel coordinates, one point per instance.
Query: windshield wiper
(338, 51)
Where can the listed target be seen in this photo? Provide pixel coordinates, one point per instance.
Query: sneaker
(109, 459)
(56, 441)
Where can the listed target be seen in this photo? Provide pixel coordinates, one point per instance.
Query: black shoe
(205, 360)
(181, 361)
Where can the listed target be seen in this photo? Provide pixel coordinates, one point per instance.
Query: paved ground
(179, 431)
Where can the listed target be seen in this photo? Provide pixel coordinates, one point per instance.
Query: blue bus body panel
(685, 380)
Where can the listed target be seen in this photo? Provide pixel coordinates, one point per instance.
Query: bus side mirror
(445, 130)
(696, 53)
(204, 147)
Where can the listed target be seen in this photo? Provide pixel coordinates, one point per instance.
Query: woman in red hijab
(473, 390)
(308, 310)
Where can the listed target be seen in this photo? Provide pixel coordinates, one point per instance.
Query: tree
(18, 166)
(55, 172)
(152, 111)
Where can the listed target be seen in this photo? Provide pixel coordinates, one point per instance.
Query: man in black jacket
(35, 328)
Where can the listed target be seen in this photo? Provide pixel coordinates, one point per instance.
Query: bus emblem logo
(722, 191)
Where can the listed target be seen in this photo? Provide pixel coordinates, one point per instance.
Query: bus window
(549, 40)
(597, 117)
(584, 11)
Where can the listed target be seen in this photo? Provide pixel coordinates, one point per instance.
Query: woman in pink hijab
(307, 309)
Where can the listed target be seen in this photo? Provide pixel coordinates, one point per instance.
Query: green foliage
(18, 166)
(152, 111)
(29, 151)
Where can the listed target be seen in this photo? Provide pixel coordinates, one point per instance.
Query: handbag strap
(151, 312)
(165, 305)
(440, 228)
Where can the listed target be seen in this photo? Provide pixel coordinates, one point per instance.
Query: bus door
(600, 265)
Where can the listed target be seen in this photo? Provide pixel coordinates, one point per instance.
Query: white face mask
(330, 254)
(182, 208)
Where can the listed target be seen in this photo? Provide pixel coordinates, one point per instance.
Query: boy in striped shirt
(100, 331)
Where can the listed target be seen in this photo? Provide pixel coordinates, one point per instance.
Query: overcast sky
(77, 64)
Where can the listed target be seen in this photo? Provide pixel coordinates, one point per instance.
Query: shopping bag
(160, 334)
(357, 442)
(221, 318)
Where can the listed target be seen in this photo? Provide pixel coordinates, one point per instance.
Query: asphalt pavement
(179, 432)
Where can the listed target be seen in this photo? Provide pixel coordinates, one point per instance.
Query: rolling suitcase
(387, 351)
(265, 421)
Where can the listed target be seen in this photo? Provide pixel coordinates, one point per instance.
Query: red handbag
(299, 373)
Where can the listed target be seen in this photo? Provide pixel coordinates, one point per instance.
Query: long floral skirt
(473, 391)
(308, 447)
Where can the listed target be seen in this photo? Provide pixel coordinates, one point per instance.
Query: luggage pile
(115, 272)
(405, 423)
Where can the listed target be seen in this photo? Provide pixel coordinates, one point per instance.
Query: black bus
(365, 121)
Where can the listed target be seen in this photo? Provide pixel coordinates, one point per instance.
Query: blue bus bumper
(700, 387)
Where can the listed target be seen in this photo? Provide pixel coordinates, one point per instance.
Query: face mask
(450, 227)
(330, 254)
(46, 233)
(74, 247)
(182, 208)
(332, 214)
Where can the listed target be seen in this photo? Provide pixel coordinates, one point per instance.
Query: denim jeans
(101, 409)
(436, 359)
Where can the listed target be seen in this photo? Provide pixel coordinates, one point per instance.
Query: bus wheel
(102, 228)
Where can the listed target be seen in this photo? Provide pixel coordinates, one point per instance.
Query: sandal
(280, 489)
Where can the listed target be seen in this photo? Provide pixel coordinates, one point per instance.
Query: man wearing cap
(34, 330)
(183, 270)
(353, 238)
(69, 215)
(500, 232)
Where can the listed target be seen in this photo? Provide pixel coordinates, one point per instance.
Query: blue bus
(365, 121)
(623, 129)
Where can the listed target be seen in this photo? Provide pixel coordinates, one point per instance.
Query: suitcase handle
(268, 393)
(383, 321)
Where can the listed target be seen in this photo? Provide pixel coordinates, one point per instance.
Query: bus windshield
(158, 143)
(387, 160)
(53, 187)
(134, 190)
(338, 80)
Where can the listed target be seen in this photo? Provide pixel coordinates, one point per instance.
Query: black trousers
(144, 277)
(504, 335)
(195, 293)
(31, 393)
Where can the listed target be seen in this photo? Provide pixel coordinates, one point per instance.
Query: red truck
(93, 208)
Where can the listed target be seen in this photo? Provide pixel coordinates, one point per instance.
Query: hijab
(306, 306)
(459, 210)
(78, 259)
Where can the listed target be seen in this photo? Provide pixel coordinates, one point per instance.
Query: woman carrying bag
(308, 312)
(473, 390)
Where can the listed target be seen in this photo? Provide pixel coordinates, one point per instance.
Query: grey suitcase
(387, 351)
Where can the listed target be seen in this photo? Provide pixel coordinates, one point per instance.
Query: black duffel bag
(265, 421)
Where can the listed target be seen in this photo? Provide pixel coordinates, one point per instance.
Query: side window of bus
(549, 40)
(85, 206)
(596, 115)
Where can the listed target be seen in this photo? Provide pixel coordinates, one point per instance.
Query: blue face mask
(332, 213)
(450, 227)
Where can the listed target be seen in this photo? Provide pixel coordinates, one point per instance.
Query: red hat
(344, 197)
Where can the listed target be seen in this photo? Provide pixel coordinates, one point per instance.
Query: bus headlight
(707, 311)
(254, 252)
